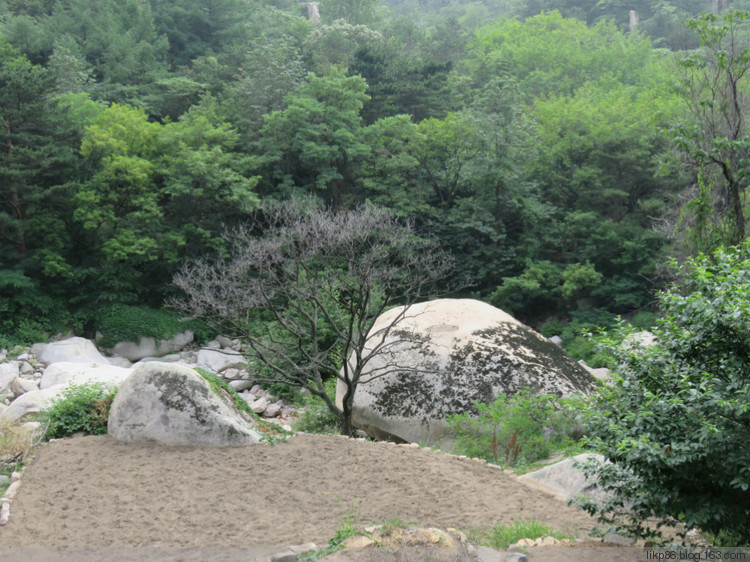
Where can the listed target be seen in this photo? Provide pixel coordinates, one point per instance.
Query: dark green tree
(675, 422)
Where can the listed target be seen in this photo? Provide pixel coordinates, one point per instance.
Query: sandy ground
(95, 492)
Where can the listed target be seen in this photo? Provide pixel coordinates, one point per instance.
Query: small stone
(240, 385)
(272, 411)
(23, 357)
(525, 542)
(549, 541)
(255, 389)
(260, 405)
(284, 556)
(303, 548)
(15, 476)
(21, 386)
(231, 374)
(4, 514)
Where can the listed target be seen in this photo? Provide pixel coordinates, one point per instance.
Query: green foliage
(316, 417)
(502, 536)
(131, 323)
(518, 429)
(675, 422)
(80, 408)
(272, 433)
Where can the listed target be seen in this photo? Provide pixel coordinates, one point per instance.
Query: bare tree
(303, 286)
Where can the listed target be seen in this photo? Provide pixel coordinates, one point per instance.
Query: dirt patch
(97, 492)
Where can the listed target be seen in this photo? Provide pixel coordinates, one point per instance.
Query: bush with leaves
(675, 422)
(316, 417)
(131, 323)
(518, 429)
(82, 407)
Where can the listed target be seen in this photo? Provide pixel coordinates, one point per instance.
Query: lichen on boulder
(447, 354)
(173, 405)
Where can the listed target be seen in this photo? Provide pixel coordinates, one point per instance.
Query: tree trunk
(739, 217)
(14, 200)
(347, 408)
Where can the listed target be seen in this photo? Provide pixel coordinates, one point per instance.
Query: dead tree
(303, 286)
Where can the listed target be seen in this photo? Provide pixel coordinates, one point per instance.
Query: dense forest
(560, 150)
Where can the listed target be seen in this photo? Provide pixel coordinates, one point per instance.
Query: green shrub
(80, 408)
(131, 323)
(518, 429)
(316, 417)
(502, 536)
(675, 422)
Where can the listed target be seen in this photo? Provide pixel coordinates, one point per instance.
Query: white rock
(31, 402)
(231, 374)
(169, 358)
(120, 362)
(557, 340)
(565, 480)
(224, 341)
(21, 386)
(173, 405)
(4, 514)
(8, 371)
(240, 385)
(71, 350)
(12, 490)
(218, 361)
(148, 347)
(260, 405)
(443, 356)
(256, 389)
(82, 373)
(272, 411)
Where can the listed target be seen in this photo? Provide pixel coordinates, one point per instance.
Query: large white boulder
(173, 405)
(82, 373)
(31, 402)
(148, 347)
(443, 356)
(71, 350)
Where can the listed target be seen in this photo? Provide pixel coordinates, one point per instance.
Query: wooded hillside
(560, 156)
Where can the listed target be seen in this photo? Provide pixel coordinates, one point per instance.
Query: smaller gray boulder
(565, 479)
(82, 373)
(31, 402)
(71, 350)
(218, 361)
(173, 405)
(8, 372)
